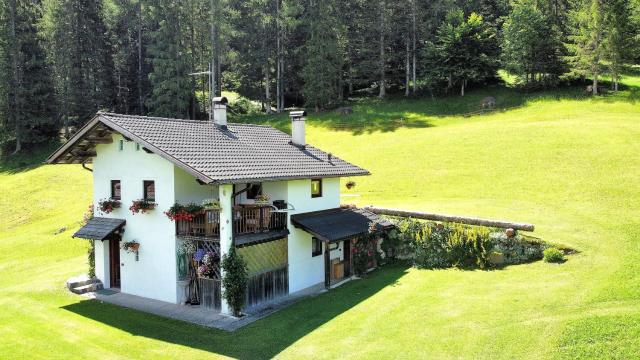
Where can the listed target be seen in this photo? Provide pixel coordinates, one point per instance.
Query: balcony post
(225, 194)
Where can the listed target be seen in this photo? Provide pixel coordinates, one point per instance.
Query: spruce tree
(79, 53)
(28, 104)
(324, 58)
(171, 88)
(586, 42)
(531, 45)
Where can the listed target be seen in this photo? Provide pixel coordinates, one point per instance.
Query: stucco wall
(306, 270)
(154, 275)
(187, 189)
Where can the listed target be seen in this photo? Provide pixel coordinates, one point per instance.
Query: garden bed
(429, 244)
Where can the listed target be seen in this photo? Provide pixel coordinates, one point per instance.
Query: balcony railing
(246, 220)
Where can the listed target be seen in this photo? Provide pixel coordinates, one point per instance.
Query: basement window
(316, 188)
(149, 190)
(115, 190)
(316, 247)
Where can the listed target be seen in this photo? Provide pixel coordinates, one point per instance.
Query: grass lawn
(566, 163)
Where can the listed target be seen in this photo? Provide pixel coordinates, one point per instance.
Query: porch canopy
(100, 228)
(339, 224)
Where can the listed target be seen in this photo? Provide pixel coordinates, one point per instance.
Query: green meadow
(568, 163)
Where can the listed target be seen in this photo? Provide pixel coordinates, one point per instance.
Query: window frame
(145, 194)
(319, 194)
(316, 252)
(113, 193)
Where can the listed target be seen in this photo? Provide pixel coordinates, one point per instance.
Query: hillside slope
(568, 164)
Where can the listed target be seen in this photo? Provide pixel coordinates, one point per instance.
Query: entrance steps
(83, 284)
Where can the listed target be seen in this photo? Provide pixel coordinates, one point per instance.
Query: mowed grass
(566, 163)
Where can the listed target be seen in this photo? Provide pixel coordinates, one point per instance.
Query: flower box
(141, 206)
(106, 206)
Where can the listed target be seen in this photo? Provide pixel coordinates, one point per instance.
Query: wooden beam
(327, 266)
(81, 153)
(99, 140)
(452, 218)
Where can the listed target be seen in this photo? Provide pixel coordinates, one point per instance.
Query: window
(316, 247)
(121, 145)
(253, 190)
(115, 190)
(316, 188)
(137, 147)
(149, 190)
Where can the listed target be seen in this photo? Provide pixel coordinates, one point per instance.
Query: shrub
(517, 249)
(432, 245)
(234, 280)
(553, 255)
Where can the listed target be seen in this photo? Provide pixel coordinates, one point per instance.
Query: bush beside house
(436, 245)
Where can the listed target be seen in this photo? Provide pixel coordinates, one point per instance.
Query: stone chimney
(297, 128)
(220, 111)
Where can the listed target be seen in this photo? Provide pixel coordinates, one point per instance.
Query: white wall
(102, 262)
(154, 275)
(306, 270)
(187, 189)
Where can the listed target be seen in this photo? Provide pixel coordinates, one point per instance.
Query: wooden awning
(339, 224)
(100, 228)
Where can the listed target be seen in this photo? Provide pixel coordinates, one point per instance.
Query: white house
(271, 195)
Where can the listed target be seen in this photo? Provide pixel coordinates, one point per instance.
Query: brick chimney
(297, 128)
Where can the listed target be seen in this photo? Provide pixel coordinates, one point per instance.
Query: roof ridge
(176, 119)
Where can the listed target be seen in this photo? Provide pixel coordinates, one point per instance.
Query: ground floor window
(316, 247)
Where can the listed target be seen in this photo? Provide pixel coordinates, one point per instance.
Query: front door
(114, 262)
(347, 257)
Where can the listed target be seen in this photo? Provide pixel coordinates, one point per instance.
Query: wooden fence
(267, 285)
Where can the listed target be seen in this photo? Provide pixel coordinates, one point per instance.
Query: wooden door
(346, 247)
(114, 262)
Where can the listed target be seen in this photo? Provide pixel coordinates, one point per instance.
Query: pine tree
(463, 51)
(79, 52)
(324, 58)
(171, 91)
(28, 104)
(531, 45)
(619, 41)
(127, 34)
(586, 42)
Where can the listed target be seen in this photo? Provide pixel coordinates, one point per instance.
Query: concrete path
(198, 315)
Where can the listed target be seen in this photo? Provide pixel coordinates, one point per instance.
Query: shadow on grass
(375, 115)
(263, 339)
(26, 159)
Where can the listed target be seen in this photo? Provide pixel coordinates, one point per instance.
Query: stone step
(83, 289)
(79, 281)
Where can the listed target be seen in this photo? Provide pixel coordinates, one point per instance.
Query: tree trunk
(267, 91)
(414, 35)
(595, 82)
(15, 82)
(407, 71)
(464, 82)
(382, 92)
(140, 97)
(279, 60)
(214, 65)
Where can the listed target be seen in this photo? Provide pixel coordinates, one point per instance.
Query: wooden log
(452, 218)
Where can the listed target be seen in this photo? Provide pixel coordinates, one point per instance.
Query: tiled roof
(99, 228)
(239, 153)
(339, 224)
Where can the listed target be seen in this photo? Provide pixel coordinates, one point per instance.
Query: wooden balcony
(246, 220)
